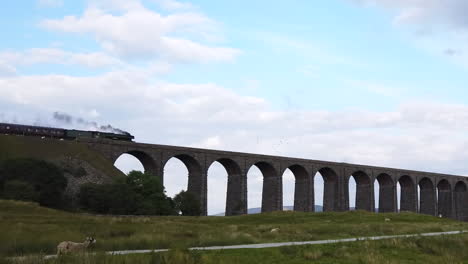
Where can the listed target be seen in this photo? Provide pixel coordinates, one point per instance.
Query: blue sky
(368, 81)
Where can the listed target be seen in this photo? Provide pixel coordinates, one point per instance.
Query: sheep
(274, 230)
(73, 247)
(387, 219)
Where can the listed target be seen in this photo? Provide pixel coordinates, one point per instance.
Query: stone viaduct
(438, 193)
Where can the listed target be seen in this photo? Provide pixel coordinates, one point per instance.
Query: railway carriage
(51, 132)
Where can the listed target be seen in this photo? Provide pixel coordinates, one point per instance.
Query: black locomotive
(60, 133)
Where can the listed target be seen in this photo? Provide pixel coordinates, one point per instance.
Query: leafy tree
(187, 203)
(145, 184)
(108, 198)
(47, 179)
(94, 197)
(141, 194)
(122, 199)
(150, 193)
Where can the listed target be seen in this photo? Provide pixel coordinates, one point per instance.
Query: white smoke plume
(66, 119)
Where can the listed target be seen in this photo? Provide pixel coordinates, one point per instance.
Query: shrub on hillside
(150, 193)
(141, 194)
(46, 179)
(20, 190)
(115, 198)
(186, 203)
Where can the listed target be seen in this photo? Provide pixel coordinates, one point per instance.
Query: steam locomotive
(60, 133)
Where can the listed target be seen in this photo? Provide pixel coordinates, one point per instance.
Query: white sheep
(387, 219)
(73, 247)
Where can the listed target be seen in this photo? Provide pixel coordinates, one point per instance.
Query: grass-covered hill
(13, 146)
(79, 163)
(26, 228)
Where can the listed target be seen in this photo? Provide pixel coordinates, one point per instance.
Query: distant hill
(257, 210)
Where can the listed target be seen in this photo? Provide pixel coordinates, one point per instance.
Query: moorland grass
(427, 250)
(26, 228)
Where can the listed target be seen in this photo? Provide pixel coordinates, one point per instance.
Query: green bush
(46, 179)
(107, 198)
(187, 203)
(150, 193)
(141, 194)
(20, 190)
(92, 197)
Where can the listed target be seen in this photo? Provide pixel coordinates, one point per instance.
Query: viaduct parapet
(439, 194)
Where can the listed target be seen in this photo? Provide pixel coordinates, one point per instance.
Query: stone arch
(235, 201)
(408, 196)
(196, 178)
(330, 189)
(364, 190)
(427, 196)
(303, 198)
(387, 193)
(272, 199)
(444, 198)
(460, 199)
(149, 164)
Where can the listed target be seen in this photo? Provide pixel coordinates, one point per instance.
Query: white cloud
(50, 3)
(449, 12)
(213, 142)
(6, 70)
(58, 56)
(173, 5)
(143, 33)
(116, 5)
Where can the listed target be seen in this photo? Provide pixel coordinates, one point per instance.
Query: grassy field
(26, 228)
(13, 146)
(446, 249)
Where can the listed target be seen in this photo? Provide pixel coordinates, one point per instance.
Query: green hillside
(12, 146)
(26, 228)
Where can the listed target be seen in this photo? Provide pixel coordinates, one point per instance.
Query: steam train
(60, 133)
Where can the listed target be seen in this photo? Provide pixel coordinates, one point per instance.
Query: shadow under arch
(408, 196)
(330, 189)
(272, 187)
(364, 191)
(460, 197)
(427, 197)
(236, 203)
(387, 194)
(444, 198)
(303, 191)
